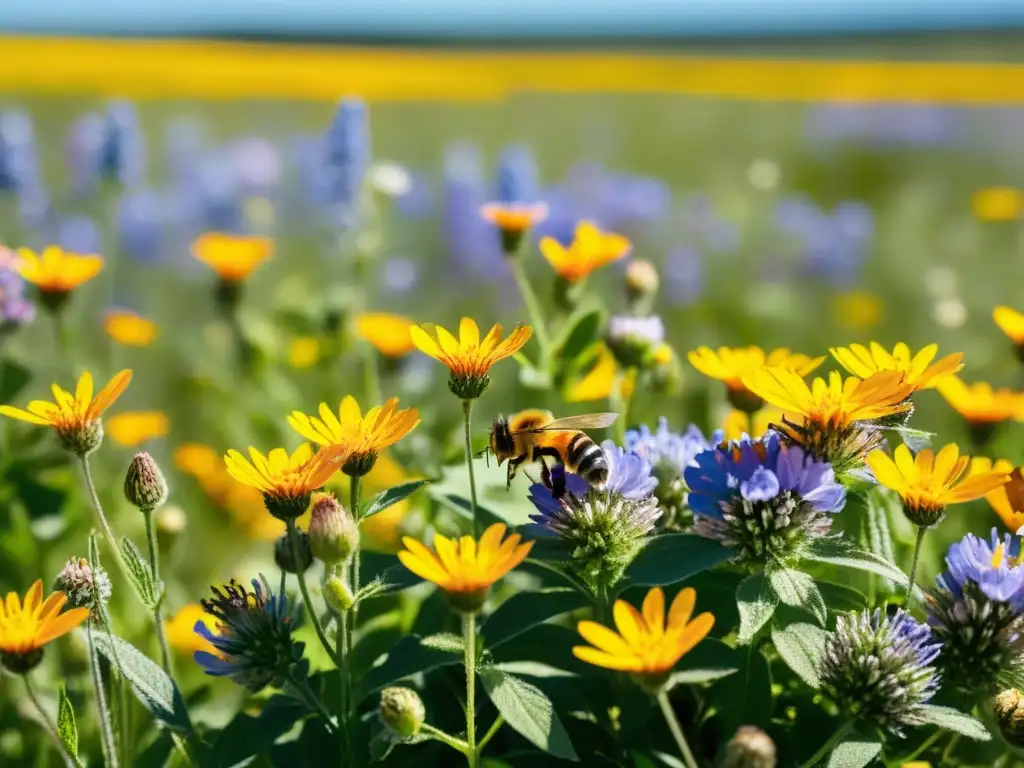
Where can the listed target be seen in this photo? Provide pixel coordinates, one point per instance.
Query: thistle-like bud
(750, 748)
(402, 711)
(1008, 707)
(338, 596)
(81, 439)
(333, 534)
(641, 285)
(144, 484)
(284, 555)
(85, 586)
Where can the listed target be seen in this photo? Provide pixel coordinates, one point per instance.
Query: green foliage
(390, 497)
(528, 711)
(801, 646)
(757, 600)
(674, 557)
(854, 752)
(956, 721)
(411, 656)
(139, 574)
(67, 731)
(797, 590)
(528, 609)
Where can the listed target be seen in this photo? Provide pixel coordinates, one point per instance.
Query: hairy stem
(108, 532)
(677, 731)
(106, 726)
(469, 639)
(467, 411)
(436, 733)
(154, 562)
(921, 531)
(293, 537)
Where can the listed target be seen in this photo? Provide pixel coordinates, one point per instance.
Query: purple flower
(15, 309)
(993, 566)
(684, 275)
(469, 239)
(19, 166)
(517, 176)
(347, 151)
(665, 449)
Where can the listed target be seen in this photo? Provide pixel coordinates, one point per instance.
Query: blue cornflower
(763, 497)
(254, 640)
(879, 669)
(977, 610)
(672, 451)
(629, 475)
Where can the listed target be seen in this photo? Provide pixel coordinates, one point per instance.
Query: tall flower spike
(981, 406)
(75, 418)
(466, 569)
(930, 482)
(920, 371)
(286, 482)
(56, 273)
(26, 626)
(731, 365)
(469, 358)
(361, 437)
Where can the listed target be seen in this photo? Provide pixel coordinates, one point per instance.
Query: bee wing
(587, 421)
(916, 439)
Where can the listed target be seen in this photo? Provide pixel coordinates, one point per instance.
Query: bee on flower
(732, 365)
(982, 406)
(56, 273)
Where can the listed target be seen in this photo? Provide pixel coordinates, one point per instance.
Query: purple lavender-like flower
(629, 474)
(19, 166)
(140, 223)
(517, 176)
(122, 152)
(684, 275)
(468, 237)
(670, 452)
(78, 234)
(15, 309)
(347, 150)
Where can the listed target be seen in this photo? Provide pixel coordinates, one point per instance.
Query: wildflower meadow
(432, 435)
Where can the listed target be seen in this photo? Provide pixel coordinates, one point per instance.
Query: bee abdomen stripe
(589, 458)
(577, 447)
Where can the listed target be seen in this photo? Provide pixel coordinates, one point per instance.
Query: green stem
(90, 487)
(677, 731)
(343, 680)
(921, 531)
(48, 724)
(924, 747)
(353, 503)
(436, 733)
(816, 759)
(532, 309)
(467, 412)
(154, 562)
(300, 687)
(293, 537)
(499, 720)
(350, 625)
(106, 728)
(469, 640)
(947, 753)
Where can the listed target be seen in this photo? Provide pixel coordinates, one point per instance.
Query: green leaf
(746, 697)
(582, 329)
(854, 752)
(797, 590)
(14, 377)
(756, 601)
(710, 660)
(409, 657)
(66, 728)
(673, 557)
(528, 711)
(391, 497)
(139, 573)
(842, 597)
(448, 642)
(149, 682)
(956, 721)
(246, 736)
(801, 646)
(836, 551)
(528, 609)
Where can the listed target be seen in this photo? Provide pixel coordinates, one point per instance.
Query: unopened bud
(1009, 710)
(144, 484)
(641, 285)
(83, 584)
(402, 711)
(750, 748)
(338, 596)
(284, 555)
(171, 520)
(333, 534)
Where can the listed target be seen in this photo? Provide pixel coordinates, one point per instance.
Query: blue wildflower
(140, 225)
(879, 669)
(517, 176)
(78, 234)
(121, 150)
(763, 497)
(348, 156)
(468, 237)
(684, 275)
(629, 475)
(254, 640)
(19, 166)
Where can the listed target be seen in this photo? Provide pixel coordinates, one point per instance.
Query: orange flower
(387, 333)
(56, 270)
(514, 217)
(25, 627)
(1007, 499)
(129, 328)
(132, 428)
(232, 257)
(590, 249)
(1010, 322)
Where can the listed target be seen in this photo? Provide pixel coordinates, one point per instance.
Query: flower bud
(750, 748)
(402, 711)
(144, 484)
(171, 521)
(1009, 710)
(337, 595)
(82, 440)
(641, 285)
(284, 555)
(333, 534)
(83, 584)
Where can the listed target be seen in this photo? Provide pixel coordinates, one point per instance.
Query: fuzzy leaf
(139, 573)
(835, 551)
(445, 641)
(66, 728)
(149, 682)
(797, 590)
(673, 557)
(801, 646)
(528, 711)
(756, 601)
(528, 609)
(854, 752)
(391, 497)
(955, 720)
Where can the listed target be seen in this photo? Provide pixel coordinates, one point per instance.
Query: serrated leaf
(673, 557)
(801, 646)
(148, 681)
(957, 721)
(854, 752)
(528, 609)
(528, 711)
(447, 642)
(66, 728)
(835, 551)
(409, 657)
(139, 573)
(797, 590)
(756, 601)
(391, 496)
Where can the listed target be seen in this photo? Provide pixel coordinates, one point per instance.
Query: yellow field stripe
(239, 70)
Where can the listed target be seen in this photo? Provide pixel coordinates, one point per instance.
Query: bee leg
(513, 465)
(545, 473)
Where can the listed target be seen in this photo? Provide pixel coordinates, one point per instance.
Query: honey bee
(534, 434)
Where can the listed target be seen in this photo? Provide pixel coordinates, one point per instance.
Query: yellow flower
(930, 482)
(857, 310)
(920, 372)
(232, 257)
(648, 643)
(602, 381)
(979, 403)
(1010, 322)
(360, 437)
(129, 328)
(286, 482)
(197, 459)
(731, 364)
(514, 217)
(181, 633)
(57, 271)
(25, 627)
(469, 359)
(133, 428)
(465, 569)
(737, 423)
(1010, 512)
(590, 249)
(388, 333)
(917, 764)
(828, 417)
(998, 204)
(304, 352)
(75, 418)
